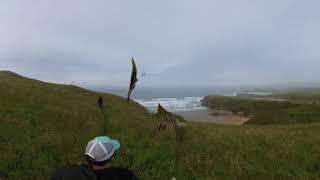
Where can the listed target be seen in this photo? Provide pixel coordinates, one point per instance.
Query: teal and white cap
(102, 148)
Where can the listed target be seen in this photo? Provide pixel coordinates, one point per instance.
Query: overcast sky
(176, 42)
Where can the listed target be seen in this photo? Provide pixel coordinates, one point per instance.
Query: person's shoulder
(69, 168)
(121, 170)
(122, 173)
(70, 171)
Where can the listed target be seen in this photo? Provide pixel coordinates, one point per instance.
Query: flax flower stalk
(177, 123)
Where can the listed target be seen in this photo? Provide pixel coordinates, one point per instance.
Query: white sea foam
(173, 104)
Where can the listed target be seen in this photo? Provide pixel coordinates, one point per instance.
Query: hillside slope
(44, 126)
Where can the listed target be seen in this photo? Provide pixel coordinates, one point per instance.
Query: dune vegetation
(45, 126)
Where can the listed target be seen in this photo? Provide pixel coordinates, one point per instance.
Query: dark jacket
(82, 172)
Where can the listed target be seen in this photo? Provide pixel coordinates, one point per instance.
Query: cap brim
(115, 144)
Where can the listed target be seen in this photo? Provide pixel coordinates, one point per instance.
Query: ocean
(174, 99)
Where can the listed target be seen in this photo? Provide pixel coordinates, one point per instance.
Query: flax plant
(133, 80)
(168, 119)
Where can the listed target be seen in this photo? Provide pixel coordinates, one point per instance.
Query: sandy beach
(213, 116)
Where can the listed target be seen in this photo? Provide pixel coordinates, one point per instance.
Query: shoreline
(213, 116)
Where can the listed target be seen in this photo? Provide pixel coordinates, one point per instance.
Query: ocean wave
(173, 104)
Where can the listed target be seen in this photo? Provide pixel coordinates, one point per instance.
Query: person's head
(100, 152)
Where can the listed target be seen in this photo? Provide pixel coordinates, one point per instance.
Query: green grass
(44, 126)
(301, 95)
(266, 111)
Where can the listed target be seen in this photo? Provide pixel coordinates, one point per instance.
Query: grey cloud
(174, 42)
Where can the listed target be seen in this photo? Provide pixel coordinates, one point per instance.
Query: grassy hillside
(301, 95)
(45, 126)
(268, 111)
